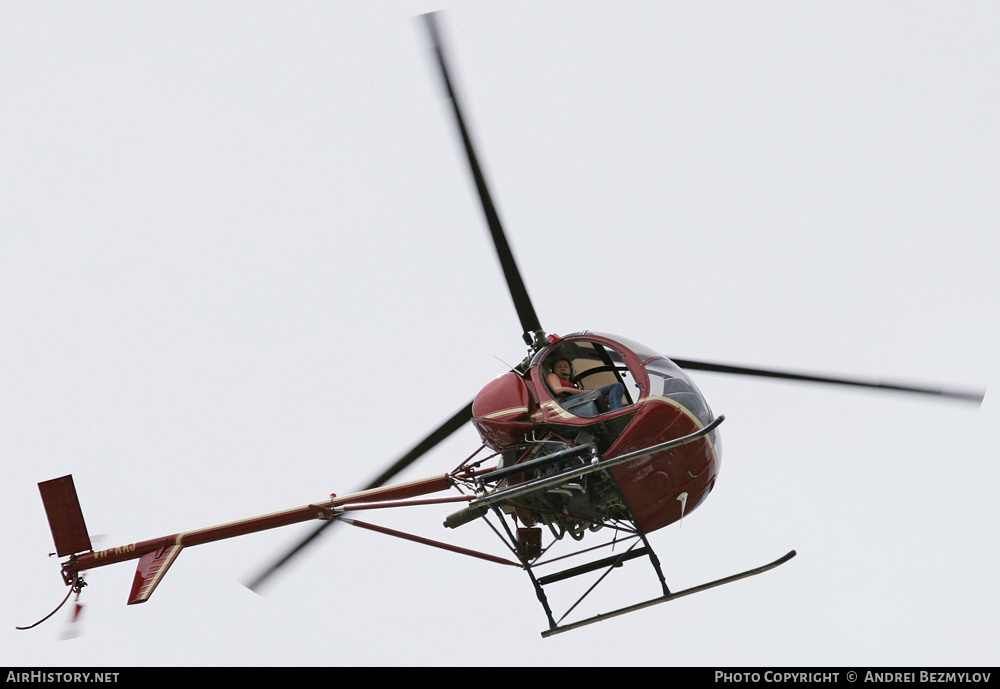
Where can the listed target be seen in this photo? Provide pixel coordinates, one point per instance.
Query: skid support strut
(539, 592)
(607, 563)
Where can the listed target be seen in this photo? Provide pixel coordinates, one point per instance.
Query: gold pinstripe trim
(678, 405)
(180, 538)
(146, 590)
(506, 412)
(557, 409)
(673, 403)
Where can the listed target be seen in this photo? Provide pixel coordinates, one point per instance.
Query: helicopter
(569, 466)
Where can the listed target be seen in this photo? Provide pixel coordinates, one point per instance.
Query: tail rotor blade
(437, 436)
(961, 395)
(533, 332)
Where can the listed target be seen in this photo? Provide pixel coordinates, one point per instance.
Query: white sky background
(242, 266)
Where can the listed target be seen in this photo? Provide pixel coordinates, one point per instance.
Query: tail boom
(158, 554)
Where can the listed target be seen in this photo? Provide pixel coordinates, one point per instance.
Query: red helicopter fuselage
(518, 410)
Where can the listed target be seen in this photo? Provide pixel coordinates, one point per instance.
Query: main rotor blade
(437, 436)
(963, 395)
(421, 448)
(525, 311)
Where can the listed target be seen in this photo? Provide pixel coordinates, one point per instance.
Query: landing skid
(506, 498)
(668, 597)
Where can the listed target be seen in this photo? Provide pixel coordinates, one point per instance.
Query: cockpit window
(666, 379)
(593, 368)
(595, 365)
(641, 352)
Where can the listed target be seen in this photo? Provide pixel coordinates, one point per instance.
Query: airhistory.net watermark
(57, 677)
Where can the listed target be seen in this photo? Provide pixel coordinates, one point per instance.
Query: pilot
(560, 385)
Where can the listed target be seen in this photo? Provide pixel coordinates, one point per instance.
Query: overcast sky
(243, 266)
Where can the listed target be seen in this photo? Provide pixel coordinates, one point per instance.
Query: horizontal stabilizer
(150, 572)
(65, 516)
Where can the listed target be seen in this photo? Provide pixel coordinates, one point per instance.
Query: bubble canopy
(653, 375)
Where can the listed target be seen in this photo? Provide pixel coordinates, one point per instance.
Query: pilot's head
(562, 368)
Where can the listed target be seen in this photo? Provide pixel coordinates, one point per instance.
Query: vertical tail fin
(152, 567)
(65, 516)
